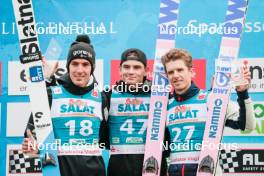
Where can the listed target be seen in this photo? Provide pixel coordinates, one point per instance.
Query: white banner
(17, 118)
(17, 77)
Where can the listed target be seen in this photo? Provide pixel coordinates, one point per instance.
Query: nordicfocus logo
(156, 121)
(215, 118)
(82, 54)
(25, 22)
(36, 74)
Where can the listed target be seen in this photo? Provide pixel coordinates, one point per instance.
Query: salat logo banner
(259, 131)
(199, 66)
(17, 76)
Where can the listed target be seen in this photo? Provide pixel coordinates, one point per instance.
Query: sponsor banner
(199, 66)
(259, 131)
(17, 118)
(256, 67)
(18, 163)
(246, 159)
(17, 77)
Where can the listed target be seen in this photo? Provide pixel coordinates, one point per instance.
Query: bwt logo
(58, 73)
(160, 79)
(36, 74)
(223, 69)
(222, 79)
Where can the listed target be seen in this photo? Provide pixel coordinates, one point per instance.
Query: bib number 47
(127, 126)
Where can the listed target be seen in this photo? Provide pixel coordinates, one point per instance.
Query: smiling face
(80, 72)
(179, 69)
(179, 75)
(132, 72)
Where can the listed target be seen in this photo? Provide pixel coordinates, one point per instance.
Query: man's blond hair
(177, 54)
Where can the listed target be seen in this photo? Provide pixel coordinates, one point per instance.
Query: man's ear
(192, 73)
(147, 69)
(119, 70)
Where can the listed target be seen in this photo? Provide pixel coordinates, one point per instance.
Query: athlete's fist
(246, 76)
(29, 145)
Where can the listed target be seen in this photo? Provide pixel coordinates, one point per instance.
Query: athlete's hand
(246, 76)
(49, 69)
(29, 145)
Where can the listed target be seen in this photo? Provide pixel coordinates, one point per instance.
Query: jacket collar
(192, 91)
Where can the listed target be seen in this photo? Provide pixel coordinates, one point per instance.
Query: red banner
(199, 67)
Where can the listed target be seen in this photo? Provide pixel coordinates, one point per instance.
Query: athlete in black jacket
(187, 113)
(79, 115)
(128, 114)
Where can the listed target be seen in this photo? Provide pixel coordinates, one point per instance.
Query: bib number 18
(85, 130)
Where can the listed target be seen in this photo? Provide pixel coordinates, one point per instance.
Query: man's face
(179, 75)
(132, 72)
(80, 71)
